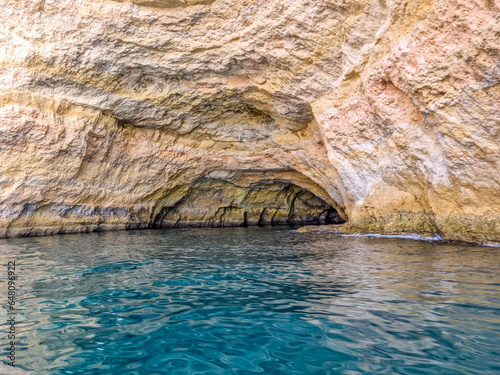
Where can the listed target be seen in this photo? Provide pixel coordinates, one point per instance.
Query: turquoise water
(252, 301)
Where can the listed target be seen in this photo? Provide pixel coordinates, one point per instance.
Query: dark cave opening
(219, 203)
(330, 216)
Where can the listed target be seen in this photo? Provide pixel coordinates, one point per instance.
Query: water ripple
(254, 301)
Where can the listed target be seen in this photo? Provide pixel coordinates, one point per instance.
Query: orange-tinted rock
(113, 111)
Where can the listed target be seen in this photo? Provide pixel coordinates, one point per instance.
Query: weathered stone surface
(127, 114)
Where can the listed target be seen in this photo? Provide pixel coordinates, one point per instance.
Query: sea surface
(251, 301)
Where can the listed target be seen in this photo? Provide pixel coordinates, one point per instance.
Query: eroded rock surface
(144, 113)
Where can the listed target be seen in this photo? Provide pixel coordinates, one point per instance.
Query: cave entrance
(220, 203)
(329, 216)
(303, 207)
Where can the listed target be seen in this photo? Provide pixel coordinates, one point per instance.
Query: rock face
(159, 113)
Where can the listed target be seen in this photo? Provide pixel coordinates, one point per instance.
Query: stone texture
(143, 113)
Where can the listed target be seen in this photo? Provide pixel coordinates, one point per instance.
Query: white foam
(490, 244)
(408, 236)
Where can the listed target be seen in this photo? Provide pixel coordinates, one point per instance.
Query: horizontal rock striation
(161, 113)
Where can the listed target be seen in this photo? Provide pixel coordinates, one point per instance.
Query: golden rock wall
(126, 114)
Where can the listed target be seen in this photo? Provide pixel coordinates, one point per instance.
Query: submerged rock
(154, 113)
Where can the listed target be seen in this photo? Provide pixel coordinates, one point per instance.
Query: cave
(219, 203)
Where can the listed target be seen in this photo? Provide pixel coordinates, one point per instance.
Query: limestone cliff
(154, 113)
